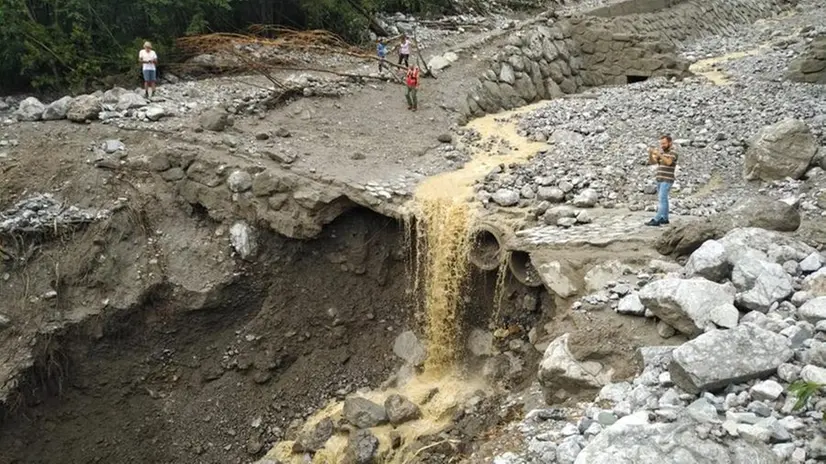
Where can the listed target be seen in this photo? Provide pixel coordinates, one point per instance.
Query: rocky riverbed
(596, 154)
(755, 301)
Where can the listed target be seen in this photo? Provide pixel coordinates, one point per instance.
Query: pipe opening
(631, 79)
(486, 253)
(523, 270)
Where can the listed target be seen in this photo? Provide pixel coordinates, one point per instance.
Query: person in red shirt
(412, 81)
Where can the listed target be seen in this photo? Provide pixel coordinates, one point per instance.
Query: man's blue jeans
(662, 193)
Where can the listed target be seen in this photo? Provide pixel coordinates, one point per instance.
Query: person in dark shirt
(666, 160)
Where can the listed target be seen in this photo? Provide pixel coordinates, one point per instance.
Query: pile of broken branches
(280, 43)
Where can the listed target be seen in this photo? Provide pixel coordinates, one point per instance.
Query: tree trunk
(374, 25)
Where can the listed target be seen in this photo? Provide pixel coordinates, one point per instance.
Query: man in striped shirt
(666, 160)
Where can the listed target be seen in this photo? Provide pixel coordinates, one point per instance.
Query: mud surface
(161, 384)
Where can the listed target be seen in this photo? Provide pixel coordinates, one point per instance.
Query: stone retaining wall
(564, 56)
(539, 63)
(630, 7)
(810, 66)
(694, 19)
(610, 57)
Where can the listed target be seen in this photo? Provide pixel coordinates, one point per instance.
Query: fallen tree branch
(427, 71)
(357, 55)
(448, 24)
(316, 41)
(375, 26)
(456, 27)
(252, 65)
(330, 71)
(6, 253)
(432, 445)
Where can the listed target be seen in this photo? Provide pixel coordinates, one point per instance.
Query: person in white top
(404, 52)
(149, 61)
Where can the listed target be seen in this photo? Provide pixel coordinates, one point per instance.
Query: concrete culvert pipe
(486, 253)
(523, 270)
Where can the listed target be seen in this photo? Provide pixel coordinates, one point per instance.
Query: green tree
(75, 44)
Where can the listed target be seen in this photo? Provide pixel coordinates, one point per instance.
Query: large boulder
(813, 310)
(683, 239)
(814, 374)
(439, 62)
(130, 100)
(315, 439)
(709, 261)
(810, 66)
(154, 112)
(112, 96)
(764, 213)
(631, 305)
(760, 240)
(362, 447)
(84, 108)
(364, 413)
(239, 181)
(505, 197)
(720, 358)
(57, 109)
(815, 283)
(243, 240)
(761, 283)
(586, 199)
(752, 212)
(557, 278)
(408, 347)
(30, 109)
(690, 305)
(781, 150)
(748, 264)
(215, 120)
(400, 409)
(561, 374)
(812, 262)
(635, 440)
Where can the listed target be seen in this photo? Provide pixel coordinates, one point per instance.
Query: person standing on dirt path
(666, 160)
(404, 52)
(149, 61)
(412, 81)
(381, 51)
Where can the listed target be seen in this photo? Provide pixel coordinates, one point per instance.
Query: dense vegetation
(74, 44)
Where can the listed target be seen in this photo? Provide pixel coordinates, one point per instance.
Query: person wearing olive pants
(412, 81)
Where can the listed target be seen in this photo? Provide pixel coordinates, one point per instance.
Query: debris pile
(42, 212)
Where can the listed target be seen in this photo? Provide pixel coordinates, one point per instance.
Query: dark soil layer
(309, 321)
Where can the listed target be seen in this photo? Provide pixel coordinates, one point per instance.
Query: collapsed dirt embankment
(211, 375)
(152, 343)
